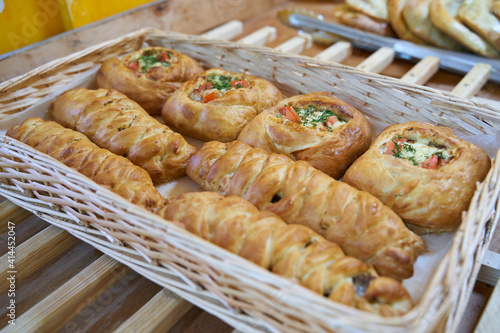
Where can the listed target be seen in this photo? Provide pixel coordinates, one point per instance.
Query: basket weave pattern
(243, 294)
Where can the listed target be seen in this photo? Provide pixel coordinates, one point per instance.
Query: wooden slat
(226, 31)
(66, 301)
(261, 37)
(35, 252)
(157, 315)
(295, 45)
(10, 212)
(473, 81)
(490, 319)
(377, 61)
(336, 52)
(422, 71)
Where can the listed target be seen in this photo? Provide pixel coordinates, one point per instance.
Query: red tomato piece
(209, 97)
(292, 115)
(391, 146)
(162, 56)
(241, 83)
(430, 163)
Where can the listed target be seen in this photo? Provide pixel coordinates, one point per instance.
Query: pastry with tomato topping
(425, 173)
(318, 128)
(217, 104)
(148, 76)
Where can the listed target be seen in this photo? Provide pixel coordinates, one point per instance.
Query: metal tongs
(455, 62)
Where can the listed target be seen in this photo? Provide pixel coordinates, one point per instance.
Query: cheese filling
(151, 58)
(419, 151)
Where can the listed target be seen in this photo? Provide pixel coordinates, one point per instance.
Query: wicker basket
(242, 294)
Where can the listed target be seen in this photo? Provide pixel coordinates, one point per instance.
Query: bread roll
(395, 12)
(425, 173)
(292, 251)
(321, 129)
(76, 151)
(300, 194)
(115, 122)
(479, 16)
(217, 104)
(148, 76)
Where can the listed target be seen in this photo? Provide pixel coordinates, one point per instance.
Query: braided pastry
(78, 152)
(425, 173)
(292, 251)
(114, 122)
(300, 194)
(148, 76)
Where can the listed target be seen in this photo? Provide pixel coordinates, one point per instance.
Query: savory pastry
(361, 21)
(444, 13)
(373, 8)
(105, 168)
(395, 12)
(293, 251)
(479, 16)
(300, 194)
(424, 173)
(148, 76)
(217, 104)
(115, 122)
(318, 128)
(416, 16)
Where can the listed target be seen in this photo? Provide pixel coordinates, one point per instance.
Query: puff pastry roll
(318, 128)
(105, 168)
(115, 122)
(148, 76)
(292, 251)
(300, 194)
(425, 173)
(217, 104)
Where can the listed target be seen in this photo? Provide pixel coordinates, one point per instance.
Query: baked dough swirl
(322, 130)
(431, 194)
(105, 168)
(300, 194)
(292, 251)
(115, 122)
(217, 104)
(148, 76)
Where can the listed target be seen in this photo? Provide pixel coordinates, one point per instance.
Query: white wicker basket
(244, 295)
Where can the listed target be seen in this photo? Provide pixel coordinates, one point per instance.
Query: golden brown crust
(300, 194)
(416, 16)
(431, 199)
(152, 88)
(78, 152)
(395, 12)
(292, 251)
(223, 118)
(115, 122)
(331, 152)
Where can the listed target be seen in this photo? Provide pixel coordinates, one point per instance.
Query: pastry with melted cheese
(444, 15)
(318, 128)
(148, 76)
(425, 173)
(217, 104)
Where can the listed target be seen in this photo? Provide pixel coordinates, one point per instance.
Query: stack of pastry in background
(459, 25)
